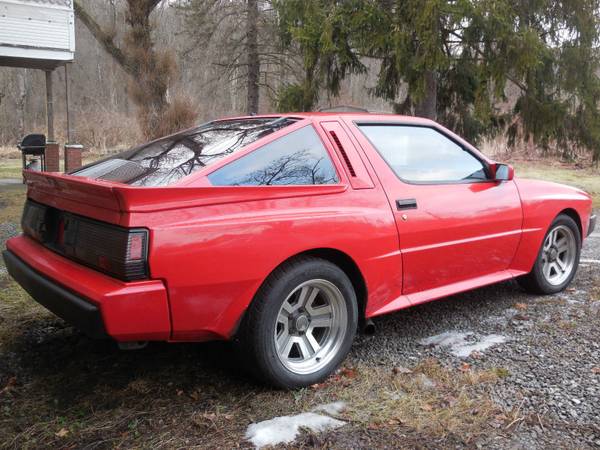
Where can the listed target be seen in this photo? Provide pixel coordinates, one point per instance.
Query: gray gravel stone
(551, 352)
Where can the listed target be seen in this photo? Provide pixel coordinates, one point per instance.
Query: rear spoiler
(113, 202)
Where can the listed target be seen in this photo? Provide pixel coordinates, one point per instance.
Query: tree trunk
(151, 78)
(22, 99)
(427, 106)
(150, 73)
(253, 61)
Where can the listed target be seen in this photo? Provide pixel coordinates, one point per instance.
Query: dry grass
(431, 399)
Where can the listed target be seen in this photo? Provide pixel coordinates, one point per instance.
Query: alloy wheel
(558, 255)
(311, 326)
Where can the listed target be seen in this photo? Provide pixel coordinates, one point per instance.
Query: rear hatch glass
(167, 160)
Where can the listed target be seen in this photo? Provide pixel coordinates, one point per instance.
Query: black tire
(535, 282)
(255, 340)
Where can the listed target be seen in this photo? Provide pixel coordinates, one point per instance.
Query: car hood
(549, 190)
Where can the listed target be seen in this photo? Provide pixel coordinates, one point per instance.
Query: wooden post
(67, 103)
(49, 106)
(73, 152)
(52, 148)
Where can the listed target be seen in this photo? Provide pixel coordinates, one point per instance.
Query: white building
(36, 34)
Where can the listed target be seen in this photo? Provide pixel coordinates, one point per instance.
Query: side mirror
(502, 172)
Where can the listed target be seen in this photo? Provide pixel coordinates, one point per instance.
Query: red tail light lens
(136, 246)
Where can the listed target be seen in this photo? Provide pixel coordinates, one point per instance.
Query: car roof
(361, 116)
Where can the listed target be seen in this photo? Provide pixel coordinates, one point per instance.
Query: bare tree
(253, 57)
(151, 71)
(242, 37)
(22, 88)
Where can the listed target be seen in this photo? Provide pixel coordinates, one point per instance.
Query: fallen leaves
(12, 381)
(401, 370)
(210, 420)
(63, 432)
(521, 317)
(343, 376)
(465, 367)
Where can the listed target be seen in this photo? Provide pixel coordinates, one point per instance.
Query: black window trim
(484, 163)
(309, 123)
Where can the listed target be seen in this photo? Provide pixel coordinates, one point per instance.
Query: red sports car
(284, 232)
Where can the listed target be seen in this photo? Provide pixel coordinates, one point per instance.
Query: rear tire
(300, 325)
(557, 260)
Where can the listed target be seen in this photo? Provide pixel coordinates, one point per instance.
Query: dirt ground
(537, 387)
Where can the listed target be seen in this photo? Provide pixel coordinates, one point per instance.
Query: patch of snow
(425, 381)
(331, 408)
(501, 321)
(463, 344)
(285, 429)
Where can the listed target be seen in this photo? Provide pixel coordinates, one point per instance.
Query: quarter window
(298, 158)
(423, 155)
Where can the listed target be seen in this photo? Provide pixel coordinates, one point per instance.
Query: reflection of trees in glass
(172, 163)
(167, 160)
(296, 168)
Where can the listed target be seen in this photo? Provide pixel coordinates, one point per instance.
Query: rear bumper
(592, 225)
(97, 304)
(72, 308)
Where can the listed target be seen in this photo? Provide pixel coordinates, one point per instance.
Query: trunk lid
(90, 198)
(115, 202)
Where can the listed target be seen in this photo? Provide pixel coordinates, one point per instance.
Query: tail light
(116, 251)
(120, 252)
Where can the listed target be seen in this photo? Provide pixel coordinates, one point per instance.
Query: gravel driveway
(551, 351)
(548, 347)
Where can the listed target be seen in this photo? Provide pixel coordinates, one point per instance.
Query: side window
(421, 154)
(296, 158)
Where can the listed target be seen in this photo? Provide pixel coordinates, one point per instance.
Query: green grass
(10, 168)
(587, 179)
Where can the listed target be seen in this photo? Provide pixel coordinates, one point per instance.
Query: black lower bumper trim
(60, 301)
(592, 226)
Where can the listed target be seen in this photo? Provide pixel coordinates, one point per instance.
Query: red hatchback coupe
(284, 232)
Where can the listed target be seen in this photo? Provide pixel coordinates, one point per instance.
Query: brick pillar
(73, 156)
(52, 157)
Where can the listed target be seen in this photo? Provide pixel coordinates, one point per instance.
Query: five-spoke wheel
(558, 256)
(300, 325)
(557, 260)
(310, 326)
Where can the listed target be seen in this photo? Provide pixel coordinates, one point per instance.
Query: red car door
(454, 223)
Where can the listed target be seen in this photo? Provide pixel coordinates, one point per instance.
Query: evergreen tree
(455, 59)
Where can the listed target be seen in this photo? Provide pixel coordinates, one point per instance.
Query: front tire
(300, 325)
(557, 260)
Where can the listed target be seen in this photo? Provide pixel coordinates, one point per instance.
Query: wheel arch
(573, 214)
(350, 268)
(341, 259)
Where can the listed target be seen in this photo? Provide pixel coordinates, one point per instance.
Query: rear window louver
(343, 153)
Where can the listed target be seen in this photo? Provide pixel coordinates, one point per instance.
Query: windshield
(165, 161)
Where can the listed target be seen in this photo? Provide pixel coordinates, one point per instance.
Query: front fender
(542, 201)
